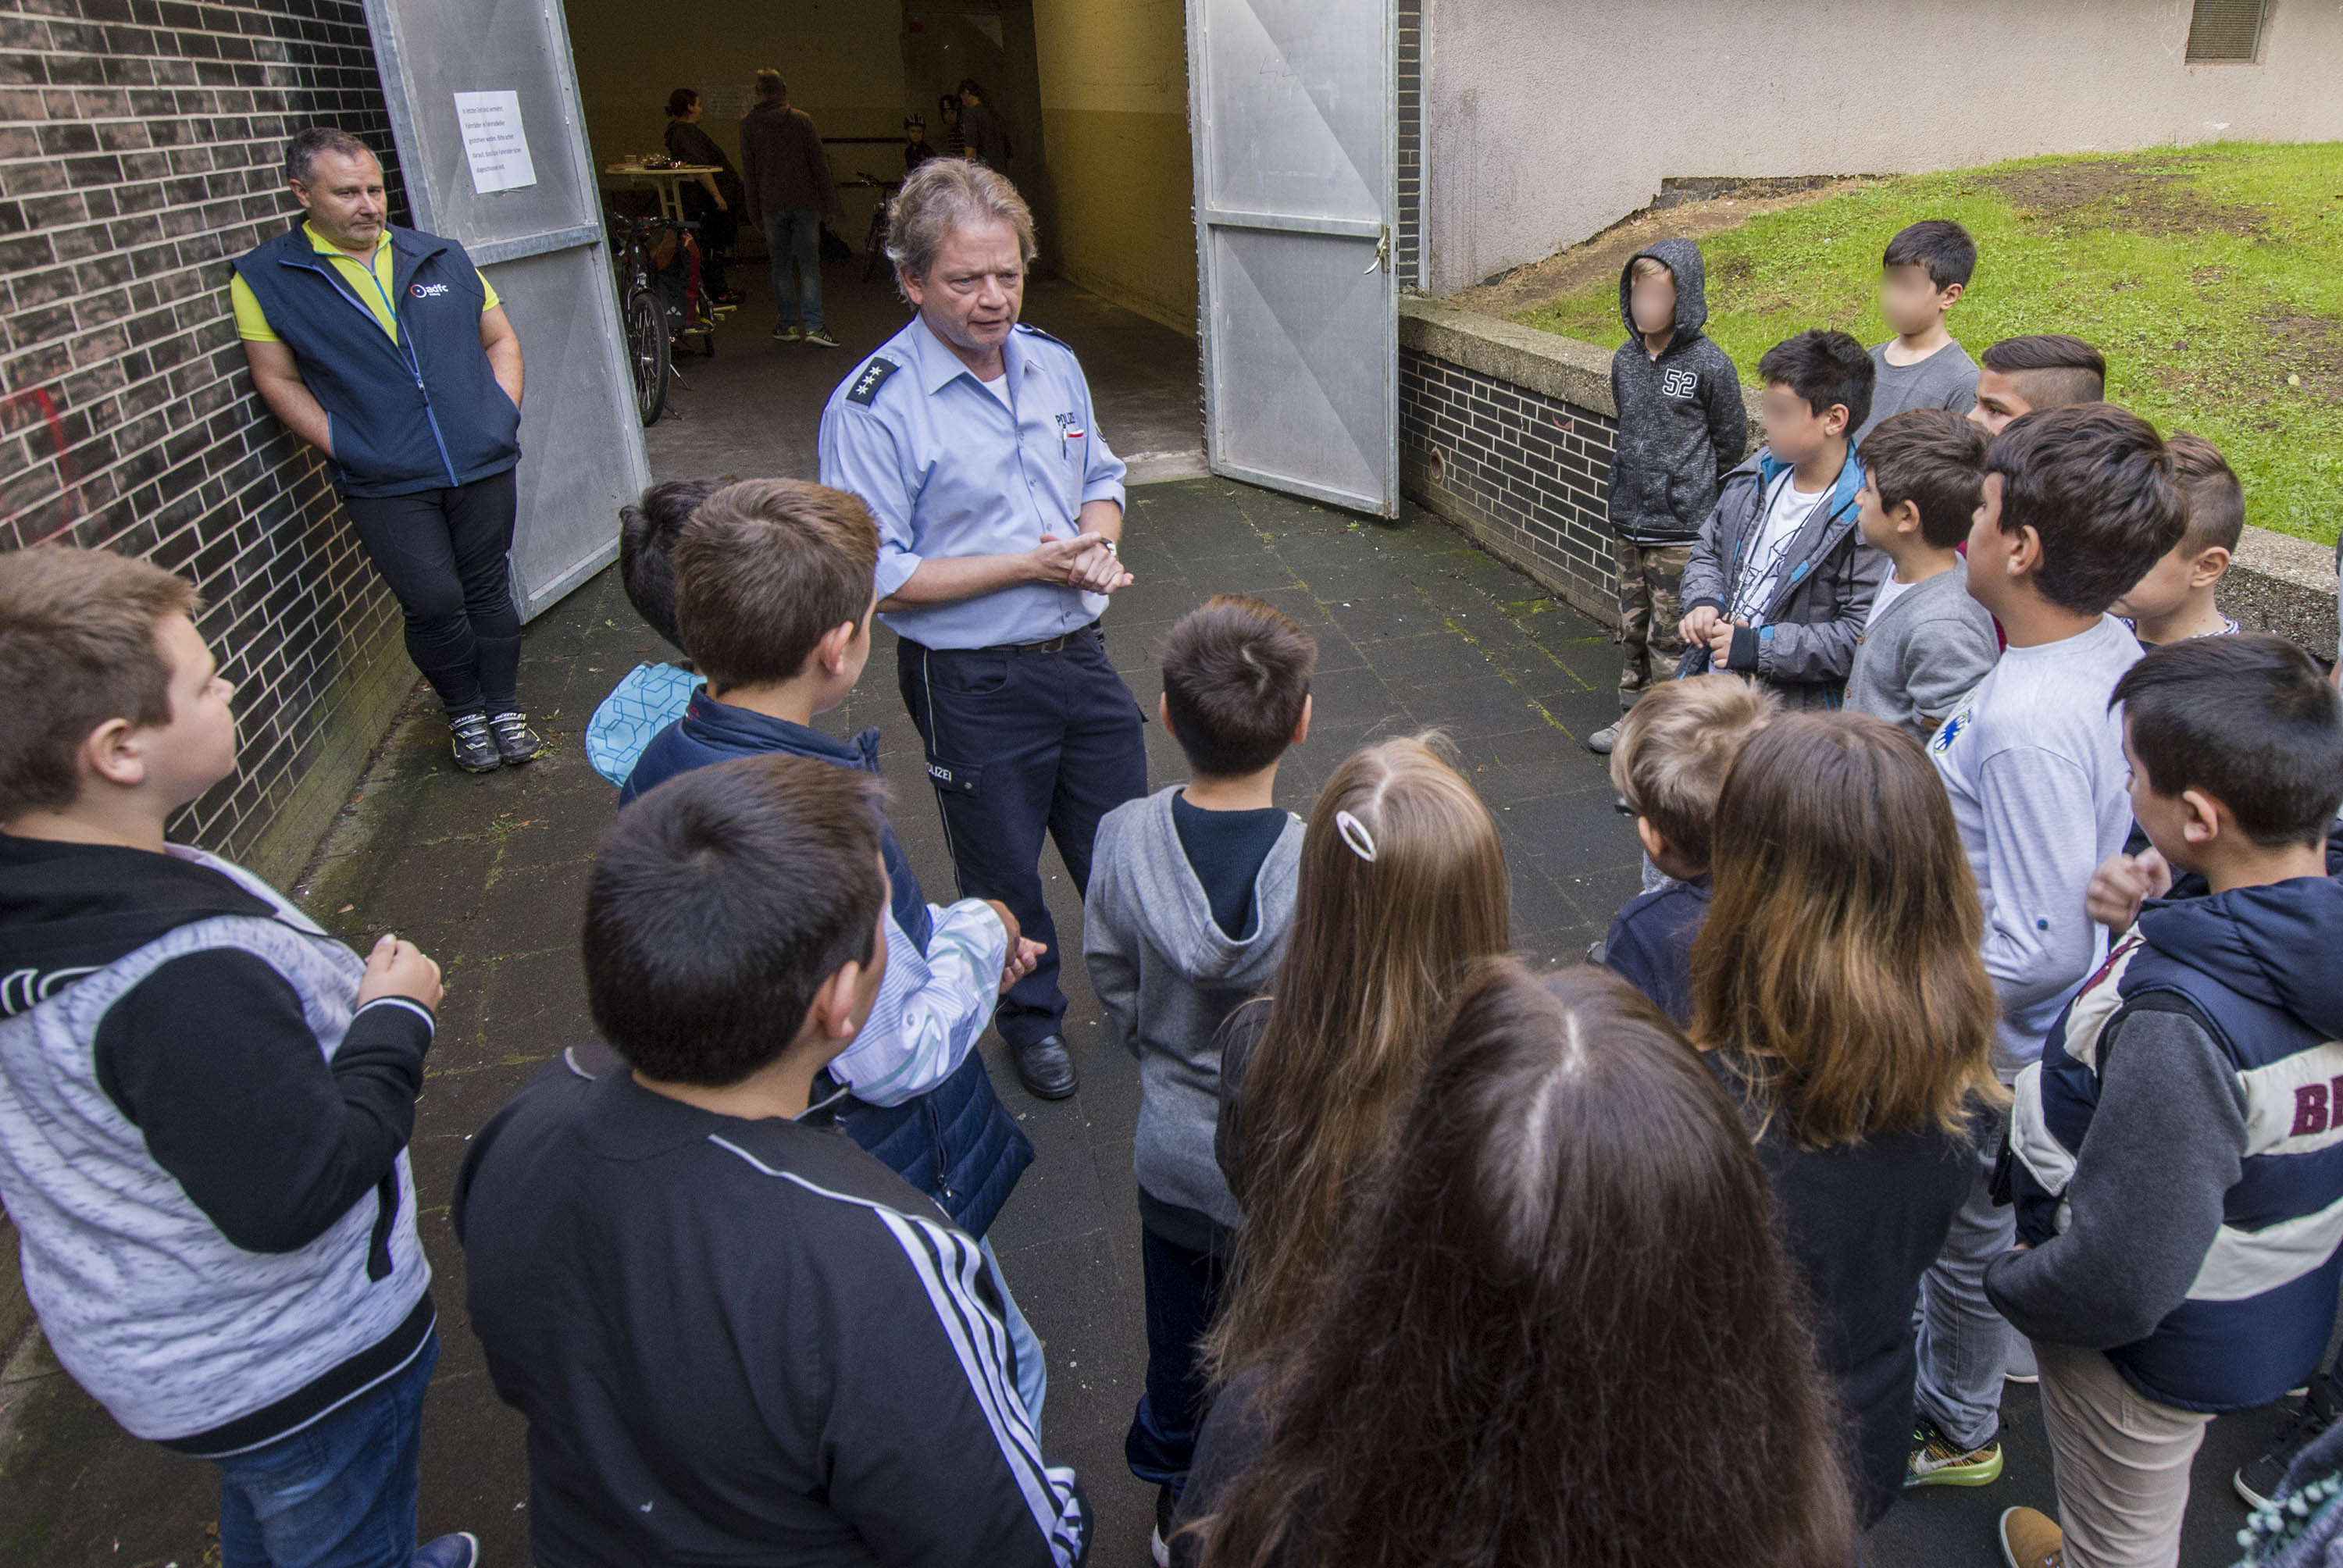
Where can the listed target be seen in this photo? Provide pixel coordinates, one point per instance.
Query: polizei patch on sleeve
(874, 375)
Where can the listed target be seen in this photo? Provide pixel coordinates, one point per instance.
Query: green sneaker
(1938, 1461)
(787, 333)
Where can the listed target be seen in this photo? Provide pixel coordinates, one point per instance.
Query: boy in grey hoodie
(1682, 427)
(1191, 896)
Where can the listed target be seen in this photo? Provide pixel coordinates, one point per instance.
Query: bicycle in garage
(661, 307)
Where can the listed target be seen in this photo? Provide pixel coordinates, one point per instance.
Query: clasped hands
(1706, 626)
(1086, 562)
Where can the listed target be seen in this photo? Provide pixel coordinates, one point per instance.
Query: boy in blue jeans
(774, 590)
(1190, 899)
(204, 1099)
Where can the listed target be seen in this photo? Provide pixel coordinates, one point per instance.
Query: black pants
(1024, 745)
(1183, 1291)
(720, 230)
(444, 554)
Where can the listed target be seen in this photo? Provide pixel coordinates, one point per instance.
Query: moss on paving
(2209, 277)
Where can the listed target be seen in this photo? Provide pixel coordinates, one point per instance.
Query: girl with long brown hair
(1401, 887)
(1561, 1331)
(1838, 986)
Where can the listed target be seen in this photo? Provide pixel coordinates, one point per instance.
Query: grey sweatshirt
(1169, 977)
(2166, 1143)
(1921, 653)
(1682, 424)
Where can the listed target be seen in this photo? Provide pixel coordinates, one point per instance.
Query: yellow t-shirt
(371, 286)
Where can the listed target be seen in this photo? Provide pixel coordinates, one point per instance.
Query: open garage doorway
(1094, 101)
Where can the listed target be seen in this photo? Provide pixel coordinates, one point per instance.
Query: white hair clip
(1354, 833)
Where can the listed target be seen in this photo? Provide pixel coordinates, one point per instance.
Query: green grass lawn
(2211, 277)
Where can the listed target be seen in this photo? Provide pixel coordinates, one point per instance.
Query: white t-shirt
(2034, 763)
(998, 387)
(1890, 590)
(1787, 507)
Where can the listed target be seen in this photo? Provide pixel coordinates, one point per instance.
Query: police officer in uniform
(971, 438)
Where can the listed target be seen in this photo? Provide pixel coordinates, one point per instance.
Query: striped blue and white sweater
(2179, 1152)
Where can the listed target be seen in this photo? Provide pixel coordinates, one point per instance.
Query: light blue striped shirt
(929, 1010)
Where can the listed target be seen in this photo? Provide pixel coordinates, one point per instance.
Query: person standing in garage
(984, 136)
(785, 179)
(971, 438)
(387, 350)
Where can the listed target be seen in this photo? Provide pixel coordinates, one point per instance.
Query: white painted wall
(1546, 121)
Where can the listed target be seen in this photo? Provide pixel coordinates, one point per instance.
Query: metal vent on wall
(2226, 31)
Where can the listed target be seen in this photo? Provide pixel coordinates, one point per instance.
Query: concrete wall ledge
(2278, 583)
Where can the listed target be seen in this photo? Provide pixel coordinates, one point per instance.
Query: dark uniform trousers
(1020, 742)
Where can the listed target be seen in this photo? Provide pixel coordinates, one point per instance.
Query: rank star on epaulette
(874, 375)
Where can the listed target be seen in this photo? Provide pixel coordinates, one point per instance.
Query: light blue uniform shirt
(949, 471)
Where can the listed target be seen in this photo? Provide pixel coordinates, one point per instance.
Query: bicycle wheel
(646, 354)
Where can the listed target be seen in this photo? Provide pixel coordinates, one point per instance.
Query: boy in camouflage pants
(1681, 426)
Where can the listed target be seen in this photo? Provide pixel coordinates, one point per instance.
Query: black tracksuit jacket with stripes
(742, 1342)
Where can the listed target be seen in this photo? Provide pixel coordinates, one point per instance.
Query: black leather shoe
(1045, 1068)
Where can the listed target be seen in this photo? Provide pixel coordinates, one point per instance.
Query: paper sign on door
(494, 141)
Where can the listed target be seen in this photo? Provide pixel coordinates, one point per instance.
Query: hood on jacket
(2275, 942)
(69, 909)
(1682, 258)
(1181, 916)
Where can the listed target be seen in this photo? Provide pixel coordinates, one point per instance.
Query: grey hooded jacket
(1681, 423)
(1169, 978)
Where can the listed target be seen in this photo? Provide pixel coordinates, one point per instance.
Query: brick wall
(1507, 432)
(1508, 454)
(140, 147)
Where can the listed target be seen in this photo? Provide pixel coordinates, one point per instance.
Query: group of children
(1980, 564)
(1707, 1252)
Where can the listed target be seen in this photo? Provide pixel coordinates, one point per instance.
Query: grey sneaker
(787, 333)
(475, 745)
(820, 338)
(1602, 739)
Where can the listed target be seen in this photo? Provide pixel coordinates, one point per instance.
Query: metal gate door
(1294, 111)
(492, 150)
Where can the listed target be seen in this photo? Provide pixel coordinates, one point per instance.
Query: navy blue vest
(2256, 1322)
(423, 413)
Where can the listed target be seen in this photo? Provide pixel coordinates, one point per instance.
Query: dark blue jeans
(339, 1492)
(796, 237)
(1183, 1288)
(1024, 745)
